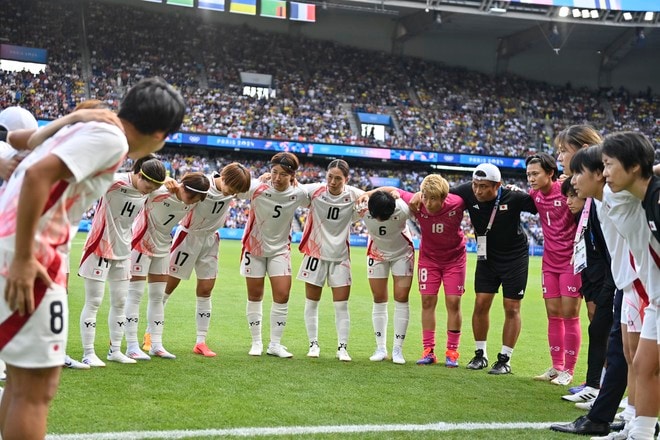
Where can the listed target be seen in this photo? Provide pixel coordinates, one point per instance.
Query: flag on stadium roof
(303, 12)
(273, 8)
(215, 5)
(248, 7)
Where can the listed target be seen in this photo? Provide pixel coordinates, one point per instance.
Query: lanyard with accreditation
(579, 245)
(481, 239)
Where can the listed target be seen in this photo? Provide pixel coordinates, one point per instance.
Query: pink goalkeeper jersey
(443, 241)
(558, 226)
(327, 225)
(92, 152)
(110, 235)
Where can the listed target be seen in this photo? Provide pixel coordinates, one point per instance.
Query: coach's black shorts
(512, 276)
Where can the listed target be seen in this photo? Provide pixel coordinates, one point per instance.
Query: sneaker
(256, 349)
(623, 416)
(623, 403)
(69, 362)
(478, 362)
(502, 365)
(138, 355)
(118, 356)
(578, 388)
(342, 355)
(146, 342)
(161, 353)
(379, 355)
(203, 349)
(564, 378)
(549, 374)
(588, 393)
(278, 350)
(615, 435)
(397, 355)
(451, 358)
(314, 350)
(428, 357)
(93, 360)
(585, 405)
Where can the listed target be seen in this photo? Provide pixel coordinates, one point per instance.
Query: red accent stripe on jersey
(10, 327)
(655, 256)
(179, 239)
(93, 245)
(55, 194)
(641, 291)
(140, 235)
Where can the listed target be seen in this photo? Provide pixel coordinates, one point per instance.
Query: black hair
(288, 161)
(341, 164)
(381, 205)
(590, 158)
(153, 105)
(567, 188)
(631, 148)
(151, 168)
(546, 162)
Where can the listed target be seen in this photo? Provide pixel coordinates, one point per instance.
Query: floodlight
(495, 10)
(564, 11)
(576, 13)
(627, 16)
(586, 13)
(594, 13)
(648, 16)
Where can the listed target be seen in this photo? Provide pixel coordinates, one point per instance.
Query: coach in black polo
(502, 259)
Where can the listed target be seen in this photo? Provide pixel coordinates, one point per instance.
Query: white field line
(295, 430)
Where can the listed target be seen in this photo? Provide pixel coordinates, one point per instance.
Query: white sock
(156, 313)
(203, 317)
(379, 319)
(278, 314)
(507, 351)
(481, 345)
(166, 296)
(255, 316)
(117, 313)
(312, 320)
(94, 291)
(401, 319)
(135, 292)
(342, 323)
(643, 427)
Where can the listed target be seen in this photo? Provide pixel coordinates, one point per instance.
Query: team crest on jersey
(557, 202)
(123, 190)
(504, 207)
(475, 206)
(537, 199)
(166, 204)
(452, 213)
(652, 225)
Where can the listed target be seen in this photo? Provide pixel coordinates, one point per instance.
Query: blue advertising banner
(22, 53)
(374, 118)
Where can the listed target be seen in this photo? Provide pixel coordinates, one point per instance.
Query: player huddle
(130, 247)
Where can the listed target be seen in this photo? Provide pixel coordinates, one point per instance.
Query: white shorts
(632, 310)
(143, 265)
(651, 323)
(257, 267)
(403, 267)
(37, 340)
(317, 272)
(101, 269)
(199, 252)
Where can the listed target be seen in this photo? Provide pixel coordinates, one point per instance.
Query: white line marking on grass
(295, 430)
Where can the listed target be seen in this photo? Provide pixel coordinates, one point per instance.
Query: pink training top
(559, 228)
(443, 241)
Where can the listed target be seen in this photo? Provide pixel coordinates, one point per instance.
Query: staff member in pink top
(561, 286)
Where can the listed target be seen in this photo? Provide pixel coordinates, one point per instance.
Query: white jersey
(627, 215)
(92, 152)
(152, 231)
(110, 235)
(390, 240)
(268, 231)
(327, 226)
(209, 214)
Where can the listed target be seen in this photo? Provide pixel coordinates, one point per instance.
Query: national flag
(248, 7)
(215, 5)
(187, 3)
(273, 8)
(303, 12)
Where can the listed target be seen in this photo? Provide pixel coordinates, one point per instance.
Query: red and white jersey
(110, 235)
(92, 152)
(328, 223)
(390, 240)
(153, 228)
(209, 214)
(268, 231)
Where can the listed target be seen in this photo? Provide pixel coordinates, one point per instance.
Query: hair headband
(195, 190)
(159, 182)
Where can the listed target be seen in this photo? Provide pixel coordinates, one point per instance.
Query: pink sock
(572, 341)
(453, 339)
(428, 338)
(556, 340)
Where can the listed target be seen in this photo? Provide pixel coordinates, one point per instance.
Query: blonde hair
(436, 186)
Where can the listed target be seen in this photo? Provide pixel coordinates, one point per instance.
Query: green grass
(234, 390)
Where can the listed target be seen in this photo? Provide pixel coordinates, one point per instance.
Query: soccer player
(390, 250)
(570, 140)
(327, 255)
(150, 258)
(196, 244)
(561, 285)
(107, 253)
(502, 259)
(44, 198)
(267, 249)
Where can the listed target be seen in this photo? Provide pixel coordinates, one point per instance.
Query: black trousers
(616, 374)
(599, 333)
